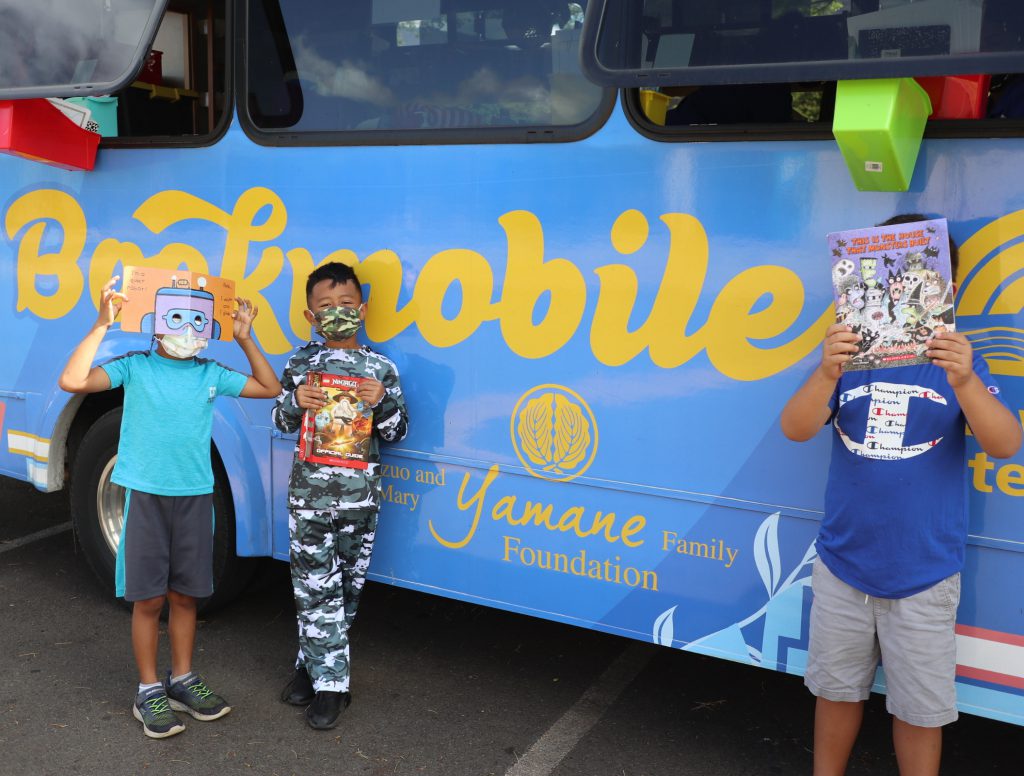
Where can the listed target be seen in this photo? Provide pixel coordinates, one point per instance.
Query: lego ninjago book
(338, 434)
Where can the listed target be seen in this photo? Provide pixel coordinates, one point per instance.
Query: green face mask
(337, 323)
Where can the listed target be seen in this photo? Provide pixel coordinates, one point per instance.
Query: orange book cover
(338, 434)
(170, 301)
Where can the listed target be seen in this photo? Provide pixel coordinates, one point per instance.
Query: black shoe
(323, 712)
(299, 691)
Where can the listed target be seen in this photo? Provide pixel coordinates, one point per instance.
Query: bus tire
(97, 509)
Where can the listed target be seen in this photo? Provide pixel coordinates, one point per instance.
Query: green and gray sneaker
(153, 710)
(192, 696)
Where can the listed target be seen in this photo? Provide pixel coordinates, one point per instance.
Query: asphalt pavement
(440, 687)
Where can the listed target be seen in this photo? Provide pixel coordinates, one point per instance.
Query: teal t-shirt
(168, 421)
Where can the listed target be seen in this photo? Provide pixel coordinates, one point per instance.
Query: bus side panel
(20, 447)
(23, 451)
(243, 443)
(595, 341)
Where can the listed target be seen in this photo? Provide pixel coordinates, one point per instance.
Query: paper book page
(893, 286)
(339, 433)
(165, 301)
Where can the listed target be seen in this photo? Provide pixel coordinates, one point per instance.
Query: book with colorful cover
(171, 301)
(338, 434)
(893, 285)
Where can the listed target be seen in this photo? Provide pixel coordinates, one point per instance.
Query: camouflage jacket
(320, 486)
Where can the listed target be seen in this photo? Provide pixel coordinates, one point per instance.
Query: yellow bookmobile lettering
(595, 524)
(988, 477)
(730, 335)
(1007, 478)
(574, 519)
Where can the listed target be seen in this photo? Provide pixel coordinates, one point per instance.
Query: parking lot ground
(440, 687)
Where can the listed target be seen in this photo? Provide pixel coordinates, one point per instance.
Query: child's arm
(389, 414)
(993, 425)
(294, 399)
(79, 375)
(807, 410)
(263, 383)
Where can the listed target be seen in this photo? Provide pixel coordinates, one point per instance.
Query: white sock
(144, 687)
(176, 679)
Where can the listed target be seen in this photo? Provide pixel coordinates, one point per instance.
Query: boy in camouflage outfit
(333, 509)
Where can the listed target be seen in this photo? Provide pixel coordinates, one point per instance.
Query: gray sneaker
(153, 710)
(192, 696)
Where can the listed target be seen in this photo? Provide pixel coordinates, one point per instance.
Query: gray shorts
(913, 636)
(166, 544)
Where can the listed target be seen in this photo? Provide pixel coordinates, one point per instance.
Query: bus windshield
(58, 47)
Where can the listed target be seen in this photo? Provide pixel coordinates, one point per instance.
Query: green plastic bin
(104, 112)
(878, 125)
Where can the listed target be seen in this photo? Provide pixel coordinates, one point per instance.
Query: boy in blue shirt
(163, 462)
(891, 545)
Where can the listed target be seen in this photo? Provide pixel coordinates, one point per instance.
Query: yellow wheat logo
(992, 265)
(554, 432)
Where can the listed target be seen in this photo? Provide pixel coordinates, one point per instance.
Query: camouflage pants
(330, 553)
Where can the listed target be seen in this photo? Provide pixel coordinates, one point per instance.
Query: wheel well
(219, 470)
(89, 410)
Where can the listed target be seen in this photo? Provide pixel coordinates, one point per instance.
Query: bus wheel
(97, 508)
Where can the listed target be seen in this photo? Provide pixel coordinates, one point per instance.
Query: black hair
(909, 218)
(337, 273)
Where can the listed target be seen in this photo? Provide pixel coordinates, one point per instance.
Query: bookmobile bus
(600, 290)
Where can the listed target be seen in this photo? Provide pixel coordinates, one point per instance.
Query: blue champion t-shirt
(896, 499)
(168, 421)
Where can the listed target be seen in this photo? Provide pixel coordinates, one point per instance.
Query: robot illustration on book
(179, 307)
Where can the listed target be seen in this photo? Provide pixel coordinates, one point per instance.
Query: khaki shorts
(913, 636)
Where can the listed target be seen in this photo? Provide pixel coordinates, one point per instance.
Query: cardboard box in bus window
(164, 301)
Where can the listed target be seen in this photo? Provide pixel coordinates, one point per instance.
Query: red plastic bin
(36, 130)
(957, 96)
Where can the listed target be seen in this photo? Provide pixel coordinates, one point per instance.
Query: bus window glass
(416, 65)
(49, 47)
(751, 41)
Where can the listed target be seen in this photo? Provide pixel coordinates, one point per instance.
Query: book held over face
(165, 301)
(338, 434)
(893, 285)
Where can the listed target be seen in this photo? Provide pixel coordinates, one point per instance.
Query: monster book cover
(338, 434)
(893, 286)
(166, 301)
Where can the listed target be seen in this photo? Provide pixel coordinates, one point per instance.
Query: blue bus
(592, 235)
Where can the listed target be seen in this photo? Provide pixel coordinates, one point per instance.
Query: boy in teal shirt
(163, 462)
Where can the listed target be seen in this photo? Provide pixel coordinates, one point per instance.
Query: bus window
(58, 48)
(701, 42)
(731, 68)
(381, 71)
(180, 93)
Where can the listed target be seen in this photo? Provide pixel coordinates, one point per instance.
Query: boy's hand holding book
(110, 303)
(370, 392)
(310, 397)
(951, 351)
(840, 344)
(242, 319)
